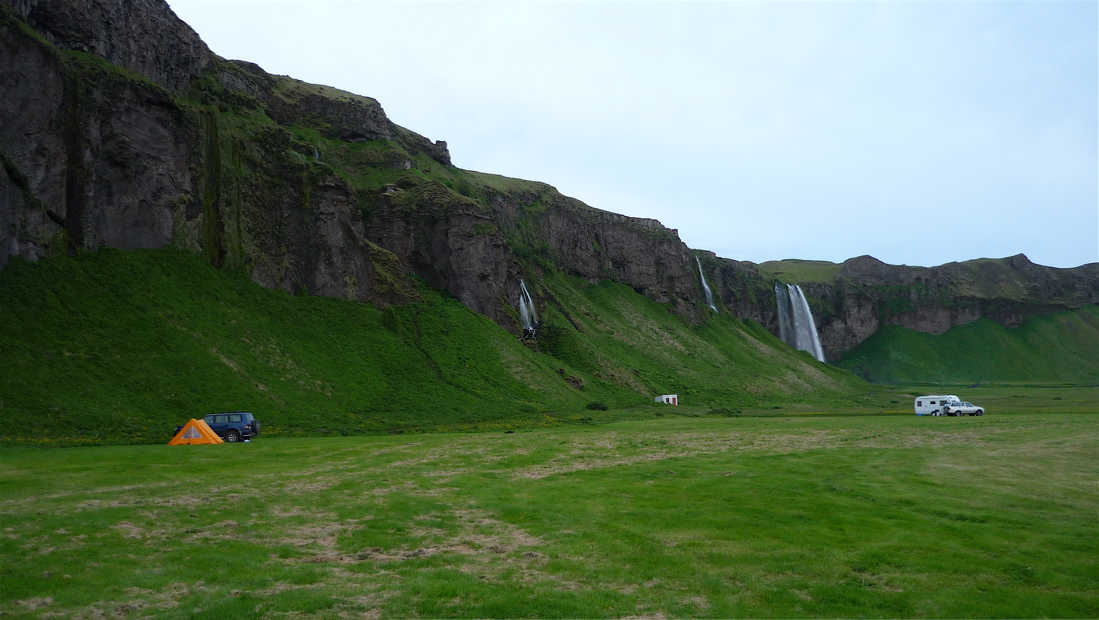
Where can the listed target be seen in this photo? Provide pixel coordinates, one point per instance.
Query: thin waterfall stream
(528, 316)
(706, 287)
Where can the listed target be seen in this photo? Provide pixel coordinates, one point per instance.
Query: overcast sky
(918, 132)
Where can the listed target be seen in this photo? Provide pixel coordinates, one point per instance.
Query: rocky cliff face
(120, 128)
(865, 294)
(143, 36)
(555, 231)
(142, 158)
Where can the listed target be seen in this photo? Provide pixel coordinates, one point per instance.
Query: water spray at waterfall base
(528, 316)
(705, 287)
(795, 322)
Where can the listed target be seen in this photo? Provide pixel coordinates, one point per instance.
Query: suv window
(236, 417)
(219, 419)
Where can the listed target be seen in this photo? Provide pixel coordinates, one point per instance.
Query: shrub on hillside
(596, 405)
(725, 411)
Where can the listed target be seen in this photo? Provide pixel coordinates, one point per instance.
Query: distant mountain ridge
(120, 128)
(855, 298)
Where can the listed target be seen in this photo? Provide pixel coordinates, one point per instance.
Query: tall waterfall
(706, 287)
(795, 323)
(527, 314)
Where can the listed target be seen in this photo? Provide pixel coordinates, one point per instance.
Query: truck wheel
(232, 436)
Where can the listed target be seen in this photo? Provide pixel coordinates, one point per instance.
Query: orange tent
(195, 431)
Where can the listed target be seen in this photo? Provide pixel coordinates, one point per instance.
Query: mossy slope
(603, 329)
(1057, 348)
(124, 345)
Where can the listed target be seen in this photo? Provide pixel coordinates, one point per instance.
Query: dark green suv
(233, 427)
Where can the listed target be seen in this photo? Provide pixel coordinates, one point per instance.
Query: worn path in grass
(764, 517)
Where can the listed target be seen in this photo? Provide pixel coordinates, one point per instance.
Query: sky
(918, 132)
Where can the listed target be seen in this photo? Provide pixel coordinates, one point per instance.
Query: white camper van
(934, 404)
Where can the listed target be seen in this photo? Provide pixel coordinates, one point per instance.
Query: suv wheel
(232, 436)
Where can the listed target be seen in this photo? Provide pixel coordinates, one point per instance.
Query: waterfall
(795, 323)
(316, 154)
(528, 316)
(706, 287)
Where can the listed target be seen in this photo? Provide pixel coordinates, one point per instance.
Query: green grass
(1057, 348)
(614, 334)
(293, 89)
(123, 346)
(797, 271)
(805, 516)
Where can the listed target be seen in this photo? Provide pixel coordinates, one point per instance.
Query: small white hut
(668, 399)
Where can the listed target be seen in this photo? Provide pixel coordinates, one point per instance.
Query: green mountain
(1055, 348)
(123, 345)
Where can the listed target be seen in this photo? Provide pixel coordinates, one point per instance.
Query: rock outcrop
(143, 36)
(562, 233)
(105, 157)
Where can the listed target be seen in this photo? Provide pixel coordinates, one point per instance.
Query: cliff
(120, 128)
(111, 140)
(852, 300)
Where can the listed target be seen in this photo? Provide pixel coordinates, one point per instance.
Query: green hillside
(1057, 348)
(124, 345)
(797, 271)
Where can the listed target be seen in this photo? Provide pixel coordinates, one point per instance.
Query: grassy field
(780, 516)
(795, 270)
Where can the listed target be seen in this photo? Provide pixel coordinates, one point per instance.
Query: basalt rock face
(95, 156)
(742, 289)
(119, 128)
(144, 36)
(556, 231)
(449, 241)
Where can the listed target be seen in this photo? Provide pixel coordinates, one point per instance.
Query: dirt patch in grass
(478, 535)
(297, 511)
(225, 530)
(306, 487)
(34, 604)
(606, 451)
(323, 535)
(138, 600)
(129, 530)
(281, 587)
(175, 501)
